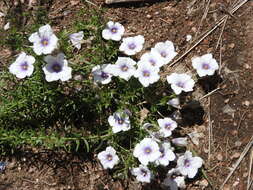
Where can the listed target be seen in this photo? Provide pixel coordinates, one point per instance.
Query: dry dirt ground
(228, 111)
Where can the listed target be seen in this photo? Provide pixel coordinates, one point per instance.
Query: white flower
(181, 141)
(44, 41)
(23, 66)
(167, 155)
(147, 151)
(124, 68)
(119, 122)
(108, 158)
(147, 74)
(188, 37)
(205, 65)
(113, 31)
(174, 102)
(57, 68)
(101, 73)
(167, 125)
(142, 173)
(188, 165)
(173, 181)
(76, 39)
(180, 82)
(153, 58)
(166, 50)
(7, 26)
(132, 45)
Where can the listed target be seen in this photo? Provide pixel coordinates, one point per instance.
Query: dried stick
(245, 151)
(122, 1)
(250, 169)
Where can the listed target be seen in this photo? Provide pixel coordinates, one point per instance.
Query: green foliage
(73, 115)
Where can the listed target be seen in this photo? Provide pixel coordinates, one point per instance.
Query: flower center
(24, 66)
(187, 163)
(205, 66)
(132, 46)
(104, 75)
(152, 61)
(124, 68)
(144, 172)
(56, 67)
(167, 126)
(114, 30)
(109, 157)
(147, 150)
(180, 84)
(163, 54)
(146, 73)
(120, 121)
(44, 42)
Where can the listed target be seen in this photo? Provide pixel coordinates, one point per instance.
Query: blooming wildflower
(147, 151)
(23, 66)
(7, 26)
(174, 181)
(167, 125)
(76, 39)
(113, 31)
(166, 50)
(108, 158)
(181, 141)
(119, 122)
(44, 41)
(188, 165)
(153, 58)
(174, 102)
(180, 82)
(132, 45)
(124, 68)
(57, 68)
(147, 74)
(101, 73)
(2, 166)
(167, 155)
(142, 173)
(205, 65)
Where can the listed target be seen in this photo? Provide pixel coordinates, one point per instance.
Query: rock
(219, 157)
(235, 155)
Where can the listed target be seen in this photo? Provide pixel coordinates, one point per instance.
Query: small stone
(226, 101)
(219, 157)
(247, 66)
(149, 16)
(245, 174)
(246, 103)
(235, 155)
(203, 183)
(194, 29)
(238, 143)
(232, 45)
(234, 132)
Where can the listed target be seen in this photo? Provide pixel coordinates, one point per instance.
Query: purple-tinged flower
(57, 68)
(44, 41)
(180, 82)
(119, 121)
(147, 151)
(166, 50)
(174, 180)
(167, 154)
(23, 66)
(132, 45)
(167, 125)
(174, 102)
(205, 65)
(147, 74)
(151, 58)
(189, 165)
(181, 141)
(142, 173)
(124, 68)
(108, 158)
(113, 31)
(76, 39)
(101, 73)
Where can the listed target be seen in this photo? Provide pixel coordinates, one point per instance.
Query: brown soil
(166, 20)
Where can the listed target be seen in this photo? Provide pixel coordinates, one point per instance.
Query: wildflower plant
(77, 100)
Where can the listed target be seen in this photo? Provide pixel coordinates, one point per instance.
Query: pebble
(219, 157)
(203, 183)
(238, 143)
(235, 155)
(246, 103)
(232, 45)
(149, 16)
